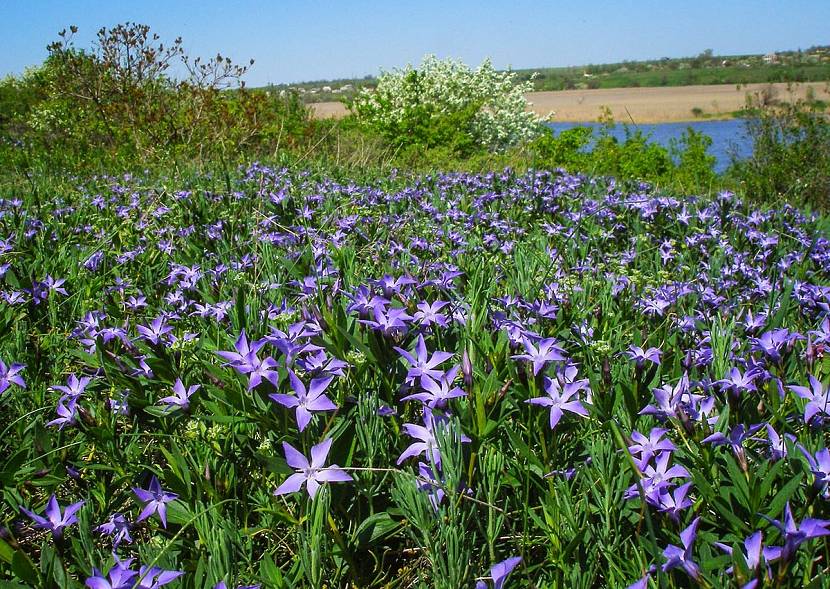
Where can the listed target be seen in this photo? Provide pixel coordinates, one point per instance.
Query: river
(729, 136)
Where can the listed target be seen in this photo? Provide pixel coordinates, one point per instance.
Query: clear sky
(303, 40)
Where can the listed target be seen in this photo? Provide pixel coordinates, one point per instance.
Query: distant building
(771, 58)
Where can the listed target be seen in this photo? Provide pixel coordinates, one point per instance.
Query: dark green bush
(791, 154)
(121, 104)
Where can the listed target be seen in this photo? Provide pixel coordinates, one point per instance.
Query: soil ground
(643, 105)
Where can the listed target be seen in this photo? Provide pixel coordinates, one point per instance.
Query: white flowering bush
(445, 102)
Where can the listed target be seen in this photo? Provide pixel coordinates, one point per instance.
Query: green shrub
(791, 154)
(121, 103)
(695, 168)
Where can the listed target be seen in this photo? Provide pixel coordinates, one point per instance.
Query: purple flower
(777, 446)
(640, 355)
(656, 478)
(436, 394)
(306, 401)
(67, 411)
(654, 305)
(156, 331)
(561, 399)
(55, 521)
(120, 576)
(737, 382)
(640, 583)
(752, 556)
(155, 577)
(391, 286)
(820, 467)
(155, 500)
(245, 361)
(794, 535)
(421, 364)
(772, 343)
(822, 334)
(737, 435)
(429, 314)
(644, 448)
(42, 290)
(754, 322)
(11, 375)
(682, 557)
(391, 322)
(679, 401)
(365, 302)
(817, 399)
(539, 355)
(181, 396)
(118, 527)
(319, 364)
(500, 571)
(431, 484)
(312, 474)
(674, 502)
(427, 443)
(74, 386)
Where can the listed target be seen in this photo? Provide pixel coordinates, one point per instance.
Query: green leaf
(6, 551)
(24, 569)
(270, 573)
(374, 527)
(776, 506)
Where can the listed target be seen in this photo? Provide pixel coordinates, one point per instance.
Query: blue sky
(312, 40)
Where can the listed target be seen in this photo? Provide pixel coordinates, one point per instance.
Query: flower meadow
(275, 378)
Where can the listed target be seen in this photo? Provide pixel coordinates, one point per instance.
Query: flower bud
(467, 369)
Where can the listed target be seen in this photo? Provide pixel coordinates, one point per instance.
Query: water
(728, 136)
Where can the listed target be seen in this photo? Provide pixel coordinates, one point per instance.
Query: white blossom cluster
(502, 120)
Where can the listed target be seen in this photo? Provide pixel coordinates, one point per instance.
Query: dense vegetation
(343, 367)
(811, 65)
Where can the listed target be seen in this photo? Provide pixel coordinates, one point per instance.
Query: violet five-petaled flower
(818, 400)
(306, 401)
(155, 577)
(656, 478)
(155, 332)
(74, 387)
(437, 393)
(541, 354)
(737, 382)
(644, 447)
(640, 355)
(118, 527)
(794, 534)
(245, 361)
(425, 434)
(313, 473)
(753, 551)
(155, 500)
(422, 364)
(181, 395)
(677, 557)
(562, 398)
(55, 520)
(67, 411)
(10, 375)
(120, 576)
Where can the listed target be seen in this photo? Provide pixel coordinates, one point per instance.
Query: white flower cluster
(447, 86)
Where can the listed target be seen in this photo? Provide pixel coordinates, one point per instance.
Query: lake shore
(642, 105)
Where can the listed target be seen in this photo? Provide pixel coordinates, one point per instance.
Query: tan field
(643, 105)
